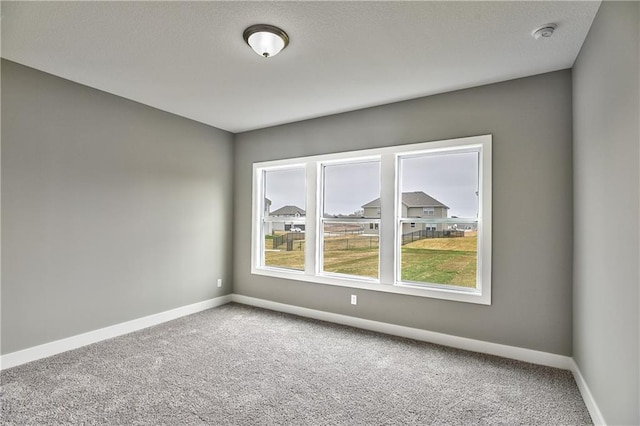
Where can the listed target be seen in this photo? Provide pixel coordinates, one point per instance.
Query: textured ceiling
(189, 58)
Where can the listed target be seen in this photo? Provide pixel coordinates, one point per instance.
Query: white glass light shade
(266, 40)
(266, 44)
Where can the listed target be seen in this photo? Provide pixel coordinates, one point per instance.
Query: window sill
(456, 295)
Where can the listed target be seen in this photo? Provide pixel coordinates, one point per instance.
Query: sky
(349, 186)
(286, 188)
(450, 178)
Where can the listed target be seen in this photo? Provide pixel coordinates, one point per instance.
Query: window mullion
(257, 236)
(387, 218)
(312, 226)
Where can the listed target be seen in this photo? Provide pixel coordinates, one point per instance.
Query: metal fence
(425, 233)
(295, 240)
(363, 242)
(287, 239)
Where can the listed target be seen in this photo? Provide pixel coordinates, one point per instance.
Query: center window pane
(350, 226)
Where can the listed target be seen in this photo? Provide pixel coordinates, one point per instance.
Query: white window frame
(322, 220)
(429, 211)
(389, 232)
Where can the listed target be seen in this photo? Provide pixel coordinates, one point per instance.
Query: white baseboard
(527, 355)
(587, 396)
(52, 348)
(512, 352)
(505, 351)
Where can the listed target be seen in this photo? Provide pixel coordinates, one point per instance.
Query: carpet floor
(238, 365)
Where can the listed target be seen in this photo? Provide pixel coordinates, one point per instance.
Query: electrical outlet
(219, 282)
(354, 299)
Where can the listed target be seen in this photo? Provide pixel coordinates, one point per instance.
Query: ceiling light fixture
(544, 31)
(266, 40)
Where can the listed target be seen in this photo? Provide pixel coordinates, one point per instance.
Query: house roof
(288, 211)
(412, 199)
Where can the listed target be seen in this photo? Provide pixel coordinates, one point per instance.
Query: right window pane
(438, 219)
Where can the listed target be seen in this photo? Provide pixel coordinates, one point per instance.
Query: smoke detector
(544, 31)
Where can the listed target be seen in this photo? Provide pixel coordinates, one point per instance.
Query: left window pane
(284, 218)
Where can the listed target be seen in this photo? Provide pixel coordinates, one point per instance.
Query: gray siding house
(414, 204)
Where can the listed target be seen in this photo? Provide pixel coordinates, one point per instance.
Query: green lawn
(285, 259)
(362, 262)
(436, 260)
(439, 266)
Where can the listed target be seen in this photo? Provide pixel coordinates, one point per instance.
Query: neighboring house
(414, 204)
(288, 212)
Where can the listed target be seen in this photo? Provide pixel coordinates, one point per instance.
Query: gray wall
(606, 159)
(530, 120)
(111, 210)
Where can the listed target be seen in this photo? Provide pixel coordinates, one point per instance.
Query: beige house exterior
(415, 204)
(288, 214)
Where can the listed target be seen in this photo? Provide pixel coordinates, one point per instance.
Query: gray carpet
(241, 365)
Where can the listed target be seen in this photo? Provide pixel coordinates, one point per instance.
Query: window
(284, 197)
(412, 219)
(439, 254)
(346, 248)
